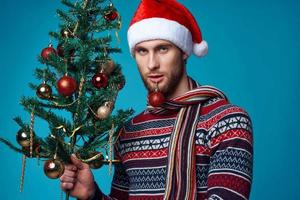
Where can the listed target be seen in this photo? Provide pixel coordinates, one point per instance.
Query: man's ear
(184, 56)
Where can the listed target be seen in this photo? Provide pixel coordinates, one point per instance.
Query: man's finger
(70, 173)
(66, 186)
(78, 163)
(67, 179)
(70, 167)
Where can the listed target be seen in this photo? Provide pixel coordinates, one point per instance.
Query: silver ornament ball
(104, 111)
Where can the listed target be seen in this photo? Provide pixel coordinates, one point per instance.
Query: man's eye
(163, 49)
(141, 51)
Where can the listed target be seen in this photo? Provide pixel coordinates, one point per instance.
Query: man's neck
(183, 87)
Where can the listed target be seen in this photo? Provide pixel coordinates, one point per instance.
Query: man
(194, 144)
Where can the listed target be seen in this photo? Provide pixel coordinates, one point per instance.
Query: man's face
(161, 64)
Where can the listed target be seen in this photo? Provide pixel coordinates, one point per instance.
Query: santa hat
(167, 20)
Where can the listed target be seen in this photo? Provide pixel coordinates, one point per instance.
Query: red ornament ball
(111, 16)
(66, 85)
(100, 80)
(156, 99)
(60, 50)
(46, 52)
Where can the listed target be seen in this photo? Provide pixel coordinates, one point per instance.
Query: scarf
(181, 167)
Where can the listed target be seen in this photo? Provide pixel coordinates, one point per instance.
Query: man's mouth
(155, 78)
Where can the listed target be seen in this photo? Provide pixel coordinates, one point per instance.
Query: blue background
(253, 57)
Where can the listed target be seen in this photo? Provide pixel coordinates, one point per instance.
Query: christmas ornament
(66, 85)
(31, 131)
(110, 141)
(46, 52)
(97, 162)
(53, 168)
(66, 33)
(117, 36)
(60, 50)
(156, 98)
(108, 67)
(22, 173)
(23, 138)
(100, 80)
(111, 15)
(44, 91)
(104, 111)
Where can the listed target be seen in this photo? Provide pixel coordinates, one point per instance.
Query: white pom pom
(200, 49)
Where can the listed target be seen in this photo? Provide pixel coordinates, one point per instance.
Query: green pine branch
(45, 74)
(10, 145)
(65, 17)
(20, 122)
(69, 4)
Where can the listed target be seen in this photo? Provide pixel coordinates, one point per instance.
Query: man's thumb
(78, 163)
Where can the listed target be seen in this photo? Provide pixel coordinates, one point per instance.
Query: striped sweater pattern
(224, 155)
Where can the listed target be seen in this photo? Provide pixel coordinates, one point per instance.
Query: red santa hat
(167, 20)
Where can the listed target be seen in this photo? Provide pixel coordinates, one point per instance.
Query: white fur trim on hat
(200, 49)
(160, 28)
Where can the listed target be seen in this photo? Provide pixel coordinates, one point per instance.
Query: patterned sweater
(224, 155)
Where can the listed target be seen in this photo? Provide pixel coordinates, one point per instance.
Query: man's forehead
(153, 43)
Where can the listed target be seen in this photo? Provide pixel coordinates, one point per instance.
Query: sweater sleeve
(119, 190)
(231, 161)
(120, 183)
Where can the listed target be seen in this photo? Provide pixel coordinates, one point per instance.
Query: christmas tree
(78, 86)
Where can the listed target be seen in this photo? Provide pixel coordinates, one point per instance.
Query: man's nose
(153, 61)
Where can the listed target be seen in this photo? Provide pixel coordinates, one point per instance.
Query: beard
(170, 84)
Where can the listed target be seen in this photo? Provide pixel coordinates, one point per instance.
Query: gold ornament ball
(23, 138)
(44, 91)
(109, 66)
(97, 163)
(104, 111)
(53, 168)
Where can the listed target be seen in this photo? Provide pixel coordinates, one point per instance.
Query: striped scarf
(181, 167)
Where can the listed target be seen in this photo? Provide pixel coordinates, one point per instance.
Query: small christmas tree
(80, 78)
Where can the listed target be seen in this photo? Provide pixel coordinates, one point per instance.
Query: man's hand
(78, 179)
